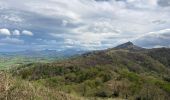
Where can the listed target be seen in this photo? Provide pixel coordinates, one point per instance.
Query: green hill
(127, 73)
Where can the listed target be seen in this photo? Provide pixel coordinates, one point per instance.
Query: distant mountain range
(44, 53)
(69, 52)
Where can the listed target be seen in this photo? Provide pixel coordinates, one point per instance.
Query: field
(15, 61)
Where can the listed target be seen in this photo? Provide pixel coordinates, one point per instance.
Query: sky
(83, 24)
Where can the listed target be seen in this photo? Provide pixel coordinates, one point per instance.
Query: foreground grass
(12, 88)
(16, 89)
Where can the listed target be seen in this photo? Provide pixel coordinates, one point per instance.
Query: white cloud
(159, 38)
(164, 34)
(26, 32)
(16, 32)
(11, 17)
(8, 40)
(87, 22)
(5, 31)
(64, 22)
(163, 31)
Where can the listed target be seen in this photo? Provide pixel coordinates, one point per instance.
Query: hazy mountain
(44, 53)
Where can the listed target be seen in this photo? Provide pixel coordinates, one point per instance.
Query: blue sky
(83, 24)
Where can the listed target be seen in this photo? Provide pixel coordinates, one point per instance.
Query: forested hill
(126, 71)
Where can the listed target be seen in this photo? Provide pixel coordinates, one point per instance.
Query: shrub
(104, 93)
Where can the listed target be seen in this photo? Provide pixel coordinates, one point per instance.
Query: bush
(104, 93)
(166, 78)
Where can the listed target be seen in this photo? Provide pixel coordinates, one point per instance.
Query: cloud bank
(84, 24)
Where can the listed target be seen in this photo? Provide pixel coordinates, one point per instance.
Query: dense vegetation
(107, 74)
(128, 73)
(162, 55)
(17, 89)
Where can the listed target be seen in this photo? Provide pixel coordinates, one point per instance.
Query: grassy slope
(18, 89)
(110, 73)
